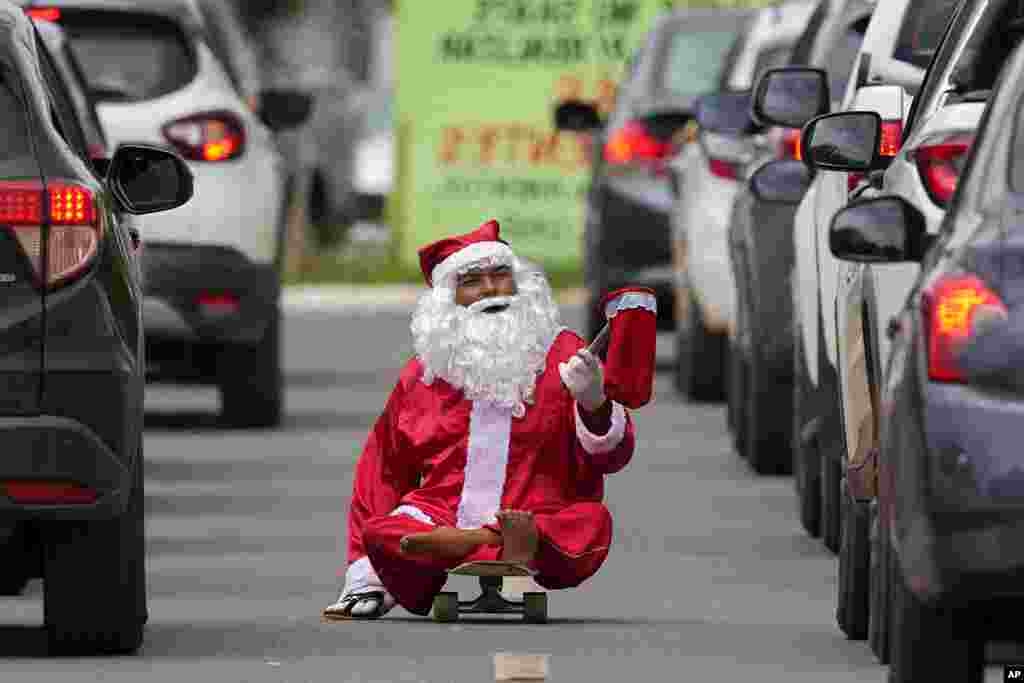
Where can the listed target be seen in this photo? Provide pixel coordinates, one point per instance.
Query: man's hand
(584, 378)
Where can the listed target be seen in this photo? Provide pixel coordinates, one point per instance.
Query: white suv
(162, 73)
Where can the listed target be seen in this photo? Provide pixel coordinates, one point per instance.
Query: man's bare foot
(519, 535)
(447, 542)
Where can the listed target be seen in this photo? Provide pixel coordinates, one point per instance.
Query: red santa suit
(435, 458)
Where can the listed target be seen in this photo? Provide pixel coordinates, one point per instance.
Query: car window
(226, 39)
(63, 111)
(841, 55)
(693, 62)
(923, 25)
(1017, 157)
(129, 57)
(997, 34)
(15, 147)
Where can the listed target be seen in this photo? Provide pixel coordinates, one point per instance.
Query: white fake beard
(495, 356)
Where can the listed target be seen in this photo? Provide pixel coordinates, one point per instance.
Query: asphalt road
(710, 578)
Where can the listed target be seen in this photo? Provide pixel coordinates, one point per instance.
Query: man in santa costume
(493, 445)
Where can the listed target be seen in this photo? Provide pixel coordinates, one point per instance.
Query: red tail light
(787, 141)
(720, 168)
(211, 136)
(44, 13)
(940, 163)
(632, 142)
(49, 493)
(888, 146)
(217, 303)
(949, 309)
(74, 235)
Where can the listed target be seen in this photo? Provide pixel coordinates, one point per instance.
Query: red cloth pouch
(632, 314)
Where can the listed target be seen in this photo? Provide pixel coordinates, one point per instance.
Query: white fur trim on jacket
(490, 430)
(497, 251)
(414, 512)
(630, 300)
(361, 577)
(596, 444)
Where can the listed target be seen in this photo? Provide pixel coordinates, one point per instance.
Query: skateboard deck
(492, 568)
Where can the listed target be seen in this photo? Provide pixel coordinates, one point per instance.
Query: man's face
(483, 284)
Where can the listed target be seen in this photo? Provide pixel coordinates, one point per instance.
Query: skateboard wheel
(446, 607)
(535, 608)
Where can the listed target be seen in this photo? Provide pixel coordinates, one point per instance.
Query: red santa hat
(448, 256)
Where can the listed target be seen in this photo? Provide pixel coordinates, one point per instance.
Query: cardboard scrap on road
(510, 667)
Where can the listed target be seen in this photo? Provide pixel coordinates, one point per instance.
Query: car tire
(853, 585)
(932, 642)
(736, 397)
(94, 581)
(831, 515)
(700, 358)
(767, 431)
(878, 613)
(251, 384)
(806, 470)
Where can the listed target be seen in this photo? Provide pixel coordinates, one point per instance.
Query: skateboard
(533, 606)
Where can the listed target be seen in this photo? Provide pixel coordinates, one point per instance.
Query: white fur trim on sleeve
(361, 576)
(497, 251)
(413, 512)
(598, 444)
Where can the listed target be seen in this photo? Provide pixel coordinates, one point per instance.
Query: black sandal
(350, 601)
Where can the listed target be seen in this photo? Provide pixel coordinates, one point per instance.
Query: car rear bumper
(175, 278)
(51, 448)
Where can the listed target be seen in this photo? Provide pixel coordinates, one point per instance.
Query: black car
(627, 214)
(951, 476)
(72, 360)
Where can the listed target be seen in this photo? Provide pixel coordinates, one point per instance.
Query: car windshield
(129, 57)
(693, 61)
(923, 26)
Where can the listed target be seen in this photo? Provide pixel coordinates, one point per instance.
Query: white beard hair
(495, 357)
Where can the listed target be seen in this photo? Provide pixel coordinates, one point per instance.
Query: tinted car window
(693, 60)
(989, 47)
(15, 150)
(841, 56)
(923, 26)
(771, 59)
(64, 110)
(129, 57)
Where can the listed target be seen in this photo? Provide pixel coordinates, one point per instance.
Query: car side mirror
(149, 179)
(790, 96)
(724, 112)
(783, 180)
(577, 117)
(284, 109)
(879, 230)
(847, 141)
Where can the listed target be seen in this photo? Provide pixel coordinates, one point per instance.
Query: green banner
(477, 82)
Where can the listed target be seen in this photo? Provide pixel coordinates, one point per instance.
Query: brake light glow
(888, 146)
(940, 163)
(789, 144)
(74, 233)
(720, 168)
(51, 14)
(210, 136)
(949, 309)
(217, 303)
(632, 142)
(49, 493)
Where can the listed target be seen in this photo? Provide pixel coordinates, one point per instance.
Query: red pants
(574, 543)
